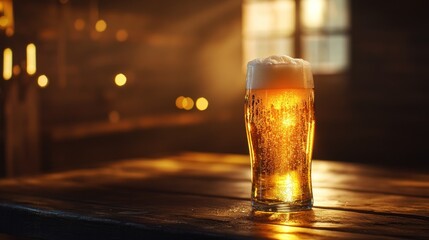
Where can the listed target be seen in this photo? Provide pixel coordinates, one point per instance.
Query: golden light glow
(121, 35)
(187, 103)
(286, 226)
(286, 101)
(284, 232)
(120, 79)
(313, 13)
(179, 102)
(31, 59)
(310, 140)
(79, 24)
(100, 25)
(202, 104)
(42, 81)
(289, 122)
(7, 63)
(288, 186)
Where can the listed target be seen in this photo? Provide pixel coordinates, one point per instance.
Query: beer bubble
(280, 125)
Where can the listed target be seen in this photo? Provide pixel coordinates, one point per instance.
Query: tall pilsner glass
(279, 117)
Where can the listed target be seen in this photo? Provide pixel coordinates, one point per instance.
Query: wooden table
(200, 195)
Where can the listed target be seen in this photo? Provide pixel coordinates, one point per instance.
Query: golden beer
(279, 116)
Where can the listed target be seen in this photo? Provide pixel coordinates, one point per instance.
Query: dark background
(376, 112)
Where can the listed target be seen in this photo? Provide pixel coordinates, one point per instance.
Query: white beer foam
(279, 71)
(276, 59)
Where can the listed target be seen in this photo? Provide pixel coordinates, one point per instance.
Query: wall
(389, 82)
(375, 113)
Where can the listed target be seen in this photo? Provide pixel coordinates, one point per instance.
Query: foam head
(276, 72)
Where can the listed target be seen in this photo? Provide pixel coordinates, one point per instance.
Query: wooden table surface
(202, 195)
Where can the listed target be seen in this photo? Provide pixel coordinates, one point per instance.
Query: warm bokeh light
(114, 116)
(120, 79)
(79, 24)
(42, 81)
(7, 19)
(121, 35)
(179, 102)
(9, 32)
(202, 104)
(31, 59)
(313, 12)
(4, 21)
(7, 63)
(187, 103)
(16, 70)
(100, 25)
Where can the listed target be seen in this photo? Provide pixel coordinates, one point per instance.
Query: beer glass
(279, 118)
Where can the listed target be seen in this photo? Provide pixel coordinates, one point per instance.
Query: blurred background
(89, 81)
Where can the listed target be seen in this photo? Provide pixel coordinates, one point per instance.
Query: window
(316, 30)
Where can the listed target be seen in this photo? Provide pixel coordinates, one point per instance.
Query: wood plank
(216, 217)
(322, 165)
(195, 194)
(161, 175)
(326, 174)
(372, 203)
(347, 176)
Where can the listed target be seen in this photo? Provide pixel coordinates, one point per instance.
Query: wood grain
(196, 195)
